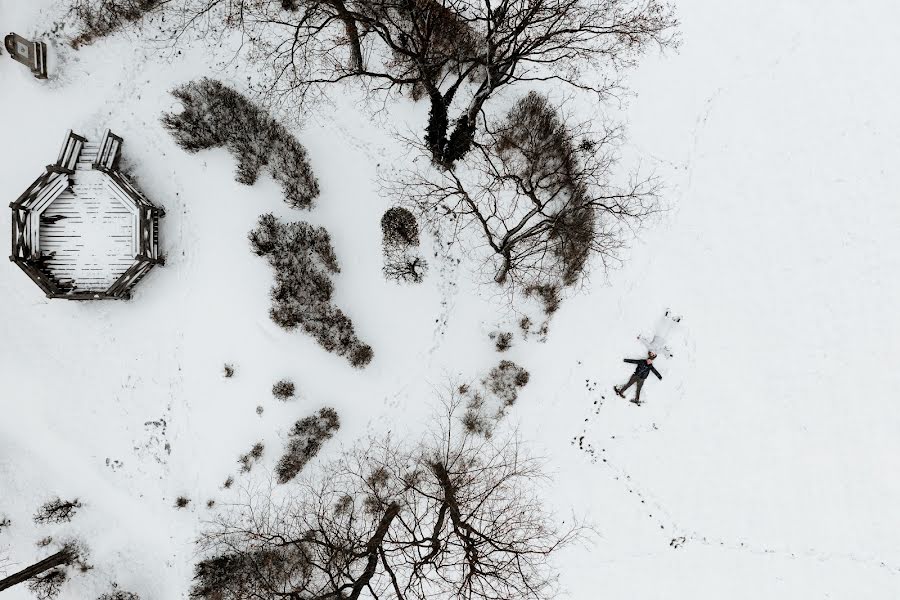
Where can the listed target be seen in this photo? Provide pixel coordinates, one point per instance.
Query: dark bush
(57, 511)
(400, 238)
(283, 389)
(117, 594)
(306, 438)
(229, 370)
(99, 18)
(504, 381)
(182, 502)
(215, 115)
(228, 482)
(548, 295)
(502, 340)
(234, 576)
(487, 404)
(303, 259)
(250, 458)
(4, 522)
(399, 227)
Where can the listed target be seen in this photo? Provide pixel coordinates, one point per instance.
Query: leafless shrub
(250, 458)
(502, 340)
(48, 584)
(57, 511)
(303, 258)
(283, 389)
(305, 440)
(400, 242)
(215, 115)
(488, 403)
(100, 18)
(117, 594)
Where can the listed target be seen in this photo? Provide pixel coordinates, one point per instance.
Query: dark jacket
(643, 369)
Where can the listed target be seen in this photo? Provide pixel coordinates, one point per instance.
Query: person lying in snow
(641, 372)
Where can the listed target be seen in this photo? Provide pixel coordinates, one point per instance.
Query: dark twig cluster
(57, 511)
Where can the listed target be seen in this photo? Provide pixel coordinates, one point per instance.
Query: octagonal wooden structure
(82, 231)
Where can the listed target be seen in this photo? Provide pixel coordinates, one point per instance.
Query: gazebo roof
(82, 230)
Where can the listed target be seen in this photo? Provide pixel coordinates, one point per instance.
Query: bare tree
(455, 53)
(455, 516)
(539, 198)
(46, 576)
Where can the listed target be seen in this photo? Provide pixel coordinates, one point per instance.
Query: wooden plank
(68, 154)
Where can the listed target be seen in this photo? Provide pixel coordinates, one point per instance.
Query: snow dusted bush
(502, 340)
(400, 239)
(283, 389)
(303, 258)
(99, 18)
(228, 369)
(215, 115)
(399, 227)
(117, 594)
(57, 511)
(504, 381)
(306, 439)
(250, 458)
(488, 403)
(4, 522)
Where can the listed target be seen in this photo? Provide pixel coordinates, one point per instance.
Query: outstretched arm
(633, 361)
(655, 372)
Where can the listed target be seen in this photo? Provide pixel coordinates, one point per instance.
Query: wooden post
(63, 557)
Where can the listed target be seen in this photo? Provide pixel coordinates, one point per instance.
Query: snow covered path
(762, 466)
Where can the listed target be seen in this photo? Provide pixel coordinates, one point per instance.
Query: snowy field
(763, 465)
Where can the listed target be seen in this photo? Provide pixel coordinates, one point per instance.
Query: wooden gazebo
(82, 231)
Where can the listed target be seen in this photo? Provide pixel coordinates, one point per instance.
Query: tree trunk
(438, 123)
(356, 58)
(63, 557)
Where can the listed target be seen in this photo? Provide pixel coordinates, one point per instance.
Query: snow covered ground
(762, 466)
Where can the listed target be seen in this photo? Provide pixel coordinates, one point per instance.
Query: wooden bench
(108, 154)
